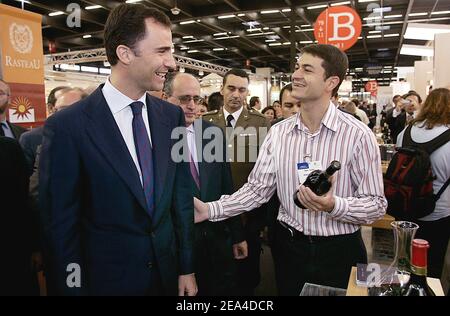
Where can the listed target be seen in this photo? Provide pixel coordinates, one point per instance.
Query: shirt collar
(329, 120)
(190, 128)
(235, 114)
(117, 101)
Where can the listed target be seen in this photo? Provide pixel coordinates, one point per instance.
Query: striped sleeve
(368, 202)
(258, 190)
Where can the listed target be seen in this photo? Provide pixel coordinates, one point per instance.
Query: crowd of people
(106, 201)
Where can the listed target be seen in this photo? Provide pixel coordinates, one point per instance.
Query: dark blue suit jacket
(30, 141)
(93, 206)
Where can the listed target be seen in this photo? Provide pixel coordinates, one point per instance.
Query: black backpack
(408, 182)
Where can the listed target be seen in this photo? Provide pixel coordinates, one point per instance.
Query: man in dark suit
(7, 129)
(32, 139)
(245, 128)
(117, 209)
(16, 233)
(216, 244)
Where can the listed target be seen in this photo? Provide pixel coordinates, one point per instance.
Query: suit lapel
(105, 134)
(160, 133)
(243, 119)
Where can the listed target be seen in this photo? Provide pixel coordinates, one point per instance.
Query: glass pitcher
(395, 277)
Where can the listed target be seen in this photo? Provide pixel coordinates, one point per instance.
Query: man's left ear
(332, 82)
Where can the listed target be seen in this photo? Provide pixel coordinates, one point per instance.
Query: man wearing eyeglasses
(7, 129)
(216, 245)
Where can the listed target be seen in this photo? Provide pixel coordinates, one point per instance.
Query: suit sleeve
(183, 212)
(60, 201)
(25, 142)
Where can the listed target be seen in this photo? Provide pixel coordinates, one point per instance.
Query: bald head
(183, 89)
(68, 97)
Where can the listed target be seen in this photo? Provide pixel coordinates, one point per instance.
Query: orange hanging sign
(372, 87)
(339, 26)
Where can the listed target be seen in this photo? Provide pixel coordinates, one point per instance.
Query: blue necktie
(144, 154)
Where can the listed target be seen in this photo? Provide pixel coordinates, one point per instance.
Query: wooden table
(384, 222)
(355, 290)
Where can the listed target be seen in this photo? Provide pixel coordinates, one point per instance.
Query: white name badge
(305, 168)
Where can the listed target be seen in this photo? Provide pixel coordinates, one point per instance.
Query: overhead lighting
(340, 3)
(305, 25)
(24, 1)
(228, 16)
(287, 43)
(254, 30)
(218, 49)
(187, 22)
(184, 48)
(188, 36)
(87, 36)
(317, 6)
(376, 17)
(194, 41)
(305, 42)
(286, 10)
(220, 34)
(373, 32)
(89, 69)
(373, 36)
(192, 51)
(270, 40)
(241, 14)
(275, 44)
(259, 34)
(105, 71)
(440, 12)
(56, 13)
(425, 31)
(304, 30)
(418, 14)
(417, 50)
(362, 1)
(227, 37)
(383, 9)
(266, 28)
(392, 35)
(132, 1)
(270, 11)
(93, 7)
(393, 16)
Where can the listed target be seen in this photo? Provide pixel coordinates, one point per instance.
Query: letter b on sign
(339, 26)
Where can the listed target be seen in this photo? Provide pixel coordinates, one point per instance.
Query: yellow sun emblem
(21, 106)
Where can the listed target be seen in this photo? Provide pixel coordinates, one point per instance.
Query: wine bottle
(319, 181)
(417, 284)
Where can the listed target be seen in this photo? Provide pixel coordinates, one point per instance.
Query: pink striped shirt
(358, 188)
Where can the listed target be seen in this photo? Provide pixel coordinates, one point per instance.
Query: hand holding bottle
(316, 193)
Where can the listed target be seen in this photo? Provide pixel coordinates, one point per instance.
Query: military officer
(245, 131)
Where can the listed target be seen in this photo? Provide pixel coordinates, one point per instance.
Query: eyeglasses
(185, 99)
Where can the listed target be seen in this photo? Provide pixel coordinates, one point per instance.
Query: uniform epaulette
(257, 113)
(211, 112)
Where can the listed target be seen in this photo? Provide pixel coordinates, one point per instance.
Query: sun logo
(21, 107)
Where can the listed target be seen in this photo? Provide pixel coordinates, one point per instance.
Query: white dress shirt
(235, 116)
(123, 115)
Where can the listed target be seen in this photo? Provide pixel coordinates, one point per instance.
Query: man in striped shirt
(321, 243)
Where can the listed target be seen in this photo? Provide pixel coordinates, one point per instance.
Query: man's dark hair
(126, 26)
(356, 101)
(412, 93)
(215, 101)
(395, 98)
(253, 101)
(236, 72)
(286, 87)
(335, 62)
(51, 99)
